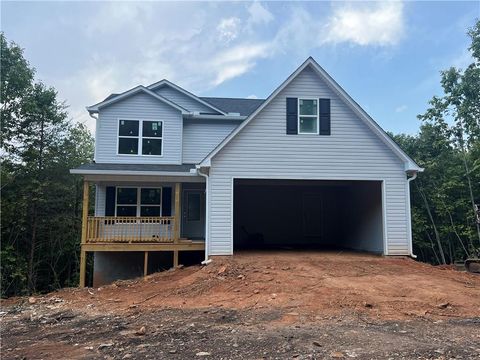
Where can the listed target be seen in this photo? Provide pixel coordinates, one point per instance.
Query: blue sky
(386, 55)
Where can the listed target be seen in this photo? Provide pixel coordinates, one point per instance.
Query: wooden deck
(122, 233)
(181, 245)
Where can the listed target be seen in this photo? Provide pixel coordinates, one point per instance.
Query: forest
(41, 200)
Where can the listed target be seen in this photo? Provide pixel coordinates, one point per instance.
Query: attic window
(140, 137)
(308, 116)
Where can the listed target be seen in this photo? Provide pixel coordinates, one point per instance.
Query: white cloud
(379, 23)
(259, 14)
(229, 28)
(252, 96)
(401, 108)
(125, 44)
(237, 61)
(119, 16)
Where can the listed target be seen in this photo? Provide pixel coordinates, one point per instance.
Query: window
(150, 201)
(133, 201)
(140, 137)
(152, 138)
(308, 116)
(128, 137)
(126, 202)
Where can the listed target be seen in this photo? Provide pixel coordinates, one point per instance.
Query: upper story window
(308, 116)
(140, 137)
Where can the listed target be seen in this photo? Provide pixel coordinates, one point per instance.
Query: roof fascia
(95, 108)
(184, 92)
(132, 172)
(207, 160)
(410, 165)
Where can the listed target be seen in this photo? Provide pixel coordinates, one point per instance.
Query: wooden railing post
(178, 218)
(83, 255)
(85, 211)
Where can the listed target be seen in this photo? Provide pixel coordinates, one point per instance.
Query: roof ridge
(230, 98)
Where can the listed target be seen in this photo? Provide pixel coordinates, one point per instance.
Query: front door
(193, 216)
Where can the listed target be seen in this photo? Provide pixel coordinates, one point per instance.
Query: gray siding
(141, 107)
(200, 137)
(183, 100)
(262, 149)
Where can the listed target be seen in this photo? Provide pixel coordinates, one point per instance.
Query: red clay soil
(315, 285)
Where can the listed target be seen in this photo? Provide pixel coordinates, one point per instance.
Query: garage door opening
(307, 214)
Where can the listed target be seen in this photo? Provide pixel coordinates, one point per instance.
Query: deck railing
(126, 229)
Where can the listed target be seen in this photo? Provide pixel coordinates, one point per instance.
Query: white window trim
(308, 116)
(138, 204)
(139, 137)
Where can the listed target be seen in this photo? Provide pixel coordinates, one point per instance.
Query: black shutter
(167, 201)
(292, 108)
(110, 201)
(324, 116)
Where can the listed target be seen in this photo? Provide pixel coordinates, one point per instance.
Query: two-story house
(305, 168)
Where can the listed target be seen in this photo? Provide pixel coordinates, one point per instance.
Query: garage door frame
(300, 178)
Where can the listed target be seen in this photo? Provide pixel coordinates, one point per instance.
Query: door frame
(184, 209)
(383, 187)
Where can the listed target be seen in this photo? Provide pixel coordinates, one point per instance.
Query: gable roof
(138, 89)
(244, 107)
(410, 164)
(165, 82)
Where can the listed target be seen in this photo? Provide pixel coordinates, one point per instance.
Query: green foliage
(40, 199)
(448, 147)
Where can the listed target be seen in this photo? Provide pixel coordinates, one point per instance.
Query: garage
(308, 214)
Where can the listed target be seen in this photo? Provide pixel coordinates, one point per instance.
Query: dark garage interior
(308, 214)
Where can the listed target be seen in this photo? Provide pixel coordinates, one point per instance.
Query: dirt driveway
(258, 305)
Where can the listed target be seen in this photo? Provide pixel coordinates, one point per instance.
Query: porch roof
(135, 169)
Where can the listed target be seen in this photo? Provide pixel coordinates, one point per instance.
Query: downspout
(207, 214)
(96, 130)
(409, 215)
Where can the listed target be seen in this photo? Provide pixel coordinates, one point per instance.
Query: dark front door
(193, 217)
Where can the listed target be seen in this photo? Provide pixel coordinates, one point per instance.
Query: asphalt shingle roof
(137, 167)
(235, 105)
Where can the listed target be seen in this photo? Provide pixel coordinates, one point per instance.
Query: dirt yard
(275, 305)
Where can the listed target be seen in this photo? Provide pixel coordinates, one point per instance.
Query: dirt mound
(311, 284)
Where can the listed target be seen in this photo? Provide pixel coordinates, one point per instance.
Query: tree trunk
(437, 235)
(455, 230)
(472, 199)
(31, 258)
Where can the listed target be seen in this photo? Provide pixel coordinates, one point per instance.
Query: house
(175, 173)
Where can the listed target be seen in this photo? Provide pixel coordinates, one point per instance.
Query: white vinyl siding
(183, 100)
(141, 107)
(200, 137)
(263, 150)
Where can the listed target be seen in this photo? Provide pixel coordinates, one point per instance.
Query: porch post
(178, 218)
(145, 264)
(83, 255)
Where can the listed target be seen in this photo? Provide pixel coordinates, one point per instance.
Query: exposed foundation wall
(112, 266)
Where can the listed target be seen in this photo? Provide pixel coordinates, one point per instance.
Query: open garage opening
(308, 214)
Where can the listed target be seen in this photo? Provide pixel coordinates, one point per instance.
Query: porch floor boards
(181, 245)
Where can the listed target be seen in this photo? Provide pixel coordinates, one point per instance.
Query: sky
(386, 55)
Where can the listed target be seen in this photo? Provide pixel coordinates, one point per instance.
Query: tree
(457, 114)
(40, 199)
(448, 147)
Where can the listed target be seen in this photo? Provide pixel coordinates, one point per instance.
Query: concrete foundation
(112, 266)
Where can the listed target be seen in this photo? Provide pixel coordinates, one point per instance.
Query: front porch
(177, 225)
